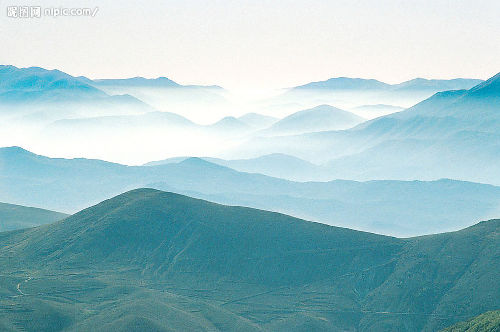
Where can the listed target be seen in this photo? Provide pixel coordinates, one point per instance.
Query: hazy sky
(260, 44)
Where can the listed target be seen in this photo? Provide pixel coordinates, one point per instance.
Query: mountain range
(112, 136)
(39, 95)
(401, 208)
(348, 93)
(159, 261)
(347, 83)
(38, 106)
(193, 101)
(452, 134)
(274, 165)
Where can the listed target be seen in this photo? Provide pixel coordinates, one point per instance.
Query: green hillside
(16, 216)
(487, 322)
(152, 260)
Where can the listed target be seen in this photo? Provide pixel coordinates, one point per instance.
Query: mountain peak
(199, 162)
(15, 151)
(319, 118)
(230, 123)
(323, 110)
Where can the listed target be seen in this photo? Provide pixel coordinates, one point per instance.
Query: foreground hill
(402, 208)
(159, 261)
(487, 322)
(17, 216)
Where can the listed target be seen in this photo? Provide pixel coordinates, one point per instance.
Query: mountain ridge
(319, 118)
(29, 179)
(416, 83)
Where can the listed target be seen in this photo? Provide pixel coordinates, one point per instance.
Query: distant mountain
(147, 121)
(161, 261)
(135, 136)
(16, 217)
(487, 322)
(133, 139)
(160, 82)
(36, 96)
(400, 208)
(348, 93)
(194, 101)
(231, 125)
(138, 82)
(344, 83)
(275, 165)
(319, 118)
(258, 121)
(448, 135)
(39, 84)
(437, 85)
(173, 160)
(39, 95)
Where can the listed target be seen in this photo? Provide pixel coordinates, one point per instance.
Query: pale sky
(257, 44)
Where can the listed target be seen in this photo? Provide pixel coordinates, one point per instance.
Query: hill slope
(487, 322)
(16, 216)
(208, 266)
